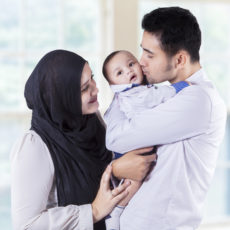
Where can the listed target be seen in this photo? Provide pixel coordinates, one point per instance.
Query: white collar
(197, 76)
(122, 87)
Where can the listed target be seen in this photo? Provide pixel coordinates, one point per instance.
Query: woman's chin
(96, 106)
(92, 108)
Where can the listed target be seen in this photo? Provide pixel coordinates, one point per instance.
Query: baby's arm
(160, 94)
(142, 98)
(113, 220)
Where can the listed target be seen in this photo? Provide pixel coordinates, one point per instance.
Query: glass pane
(215, 28)
(80, 27)
(219, 73)
(41, 24)
(9, 22)
(224, 156)
(218, 200)
(11, 129)
(5, 207)
(10, 84)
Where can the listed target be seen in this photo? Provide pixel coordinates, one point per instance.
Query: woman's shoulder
(28, 140)
(30, 147)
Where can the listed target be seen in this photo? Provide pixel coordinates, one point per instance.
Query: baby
(132, 95)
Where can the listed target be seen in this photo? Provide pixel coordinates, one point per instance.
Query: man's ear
(181, 58)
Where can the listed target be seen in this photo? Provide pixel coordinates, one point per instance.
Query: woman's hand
(133, 165)
(132, 189)
(106, 198)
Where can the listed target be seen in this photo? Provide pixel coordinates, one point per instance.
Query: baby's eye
(119, 72)
(131, 64)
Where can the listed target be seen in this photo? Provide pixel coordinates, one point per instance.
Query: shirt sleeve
(183, 116)
(32, 178)
(112, 221)
(141, 98)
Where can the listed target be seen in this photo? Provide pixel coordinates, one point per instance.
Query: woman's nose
(94, 88)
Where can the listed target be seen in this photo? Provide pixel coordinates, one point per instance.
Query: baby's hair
(107, 60)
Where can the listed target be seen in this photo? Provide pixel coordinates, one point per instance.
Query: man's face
(155, 63)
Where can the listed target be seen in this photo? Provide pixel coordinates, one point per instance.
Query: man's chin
(150, 80)
(147, 79)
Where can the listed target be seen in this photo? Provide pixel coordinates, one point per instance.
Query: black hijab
(76, 142)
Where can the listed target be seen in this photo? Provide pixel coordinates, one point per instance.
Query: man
(188, 128)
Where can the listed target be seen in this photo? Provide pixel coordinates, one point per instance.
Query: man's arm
(184, 116)
(134, 165)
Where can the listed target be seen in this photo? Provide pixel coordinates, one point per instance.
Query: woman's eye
(150, 56)
(85, 89)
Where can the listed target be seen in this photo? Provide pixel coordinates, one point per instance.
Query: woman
(57, 165)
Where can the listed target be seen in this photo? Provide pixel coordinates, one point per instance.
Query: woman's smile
(93, 100)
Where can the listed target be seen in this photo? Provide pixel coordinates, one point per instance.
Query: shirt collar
(122, 88)
(198, 76)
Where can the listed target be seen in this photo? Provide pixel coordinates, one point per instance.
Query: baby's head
(121, 67)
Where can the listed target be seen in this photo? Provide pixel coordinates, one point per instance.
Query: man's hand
(133, 165)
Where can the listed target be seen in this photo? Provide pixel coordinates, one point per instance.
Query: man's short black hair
(176, 28)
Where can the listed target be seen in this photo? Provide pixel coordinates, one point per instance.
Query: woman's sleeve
(32, 179)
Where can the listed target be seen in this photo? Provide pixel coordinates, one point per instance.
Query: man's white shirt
(188, 129)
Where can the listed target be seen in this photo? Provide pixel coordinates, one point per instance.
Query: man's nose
(142, 61)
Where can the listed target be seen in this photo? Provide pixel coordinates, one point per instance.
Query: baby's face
(124, 68)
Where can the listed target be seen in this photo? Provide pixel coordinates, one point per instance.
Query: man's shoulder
(197, 91)
(205, 93)
(202, 85)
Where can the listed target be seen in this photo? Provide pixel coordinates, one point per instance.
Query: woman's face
(89, 91)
